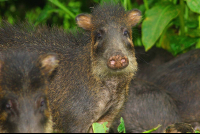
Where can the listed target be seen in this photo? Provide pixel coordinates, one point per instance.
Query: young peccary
(24, 80)
(95, 69)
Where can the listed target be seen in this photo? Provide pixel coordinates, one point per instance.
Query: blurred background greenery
(170, 24)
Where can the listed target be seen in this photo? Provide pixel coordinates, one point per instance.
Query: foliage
(121, 127)
(167, 24)
(197, 131)
(99, 128)
(171, 24)
(154, 129)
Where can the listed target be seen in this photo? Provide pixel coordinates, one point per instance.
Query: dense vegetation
(171, 24)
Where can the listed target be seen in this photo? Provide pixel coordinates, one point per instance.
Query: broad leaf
(193, 32)
(194, 5)
(180, 43)
(155, 22)
(121, 127)
(99, 128)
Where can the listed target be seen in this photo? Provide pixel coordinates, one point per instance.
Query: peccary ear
(48, 63)
(134, 17)
(84, 21)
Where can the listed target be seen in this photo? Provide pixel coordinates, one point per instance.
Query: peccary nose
(117, 62)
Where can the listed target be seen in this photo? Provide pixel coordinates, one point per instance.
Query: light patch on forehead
(113, 25)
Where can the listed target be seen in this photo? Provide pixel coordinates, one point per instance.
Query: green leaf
(192, 24)
(154, 129)
(121, 127)
(180, 43)
(194, 32)
(157, 18)
(198, 44)
(61, 6)
(43, 15)
(197, 131)
(194, 5)
(99, 128)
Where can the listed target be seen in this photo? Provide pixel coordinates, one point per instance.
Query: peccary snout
(117, 62)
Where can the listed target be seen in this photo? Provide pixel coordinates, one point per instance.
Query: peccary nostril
(112, 62)
(117, 62)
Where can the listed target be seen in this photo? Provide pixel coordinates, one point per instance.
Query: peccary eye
(125, 33)
(98, 35)
(42, 103)
(8, 106)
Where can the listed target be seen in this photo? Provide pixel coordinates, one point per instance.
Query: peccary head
(24, 79)
(112, 49)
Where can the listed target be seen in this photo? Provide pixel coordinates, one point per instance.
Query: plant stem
(61, 6)
(199, 21)
(186, 16)
(175, 1)
(198, 43)
(154, 129)
(181, 17)
(129, 5)
(125, 5)
(146, 5)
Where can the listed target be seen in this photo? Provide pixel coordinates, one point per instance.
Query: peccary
(150, 60)
(24, 79)
(96, 65)
(147, 107)
(179, 127)
(181, 77)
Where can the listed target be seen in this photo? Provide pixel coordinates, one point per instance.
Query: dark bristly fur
(149, 61)
(181, 77)
(84, 90)
(24, 79)
(147, 106)
(179, 127)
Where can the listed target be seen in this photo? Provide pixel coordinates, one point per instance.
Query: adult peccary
(149, 61)
(24, 80)
(181, 77)
(147, 106)
(179, 80)
(95, 69)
